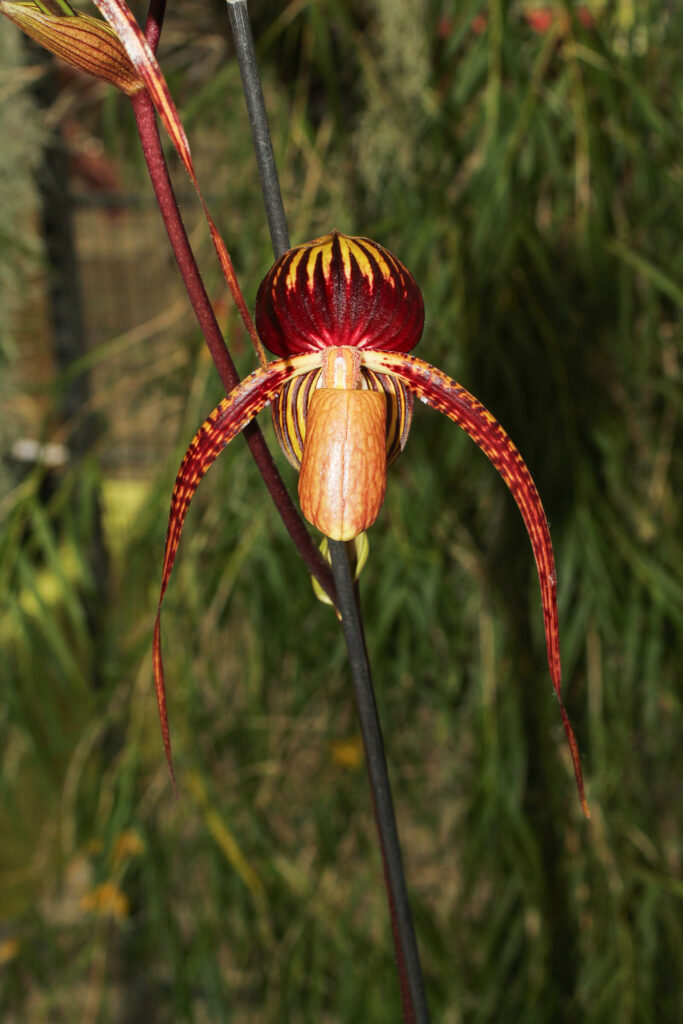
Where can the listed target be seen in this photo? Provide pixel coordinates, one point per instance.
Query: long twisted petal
(450, 398)
(224, 423)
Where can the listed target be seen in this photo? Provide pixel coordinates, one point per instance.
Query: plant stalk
(413, 997)
(415, 1009)
(145, 118)
(155, 20)
(258, 122)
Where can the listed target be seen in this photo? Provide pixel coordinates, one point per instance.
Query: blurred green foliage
(19, 156)
(530, 178)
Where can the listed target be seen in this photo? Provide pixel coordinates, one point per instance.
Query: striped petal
(225, 422)
(290, 410)
(450, 398)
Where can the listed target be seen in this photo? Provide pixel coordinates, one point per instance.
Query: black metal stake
(410, 972)
(258, 121)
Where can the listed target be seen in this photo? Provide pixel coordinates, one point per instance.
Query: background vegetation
(525, 162)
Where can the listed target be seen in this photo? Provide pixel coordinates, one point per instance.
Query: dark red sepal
(338, 290)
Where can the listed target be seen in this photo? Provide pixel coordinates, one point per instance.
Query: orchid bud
(83, 42)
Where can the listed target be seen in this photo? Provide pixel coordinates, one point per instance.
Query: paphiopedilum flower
(342, 313)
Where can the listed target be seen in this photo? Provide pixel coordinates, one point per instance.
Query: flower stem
(258, 122)
(415, 1009)
(158, 171)
(410, 972)
(155, 20)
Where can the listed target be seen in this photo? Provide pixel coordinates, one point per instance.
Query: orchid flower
(342, 313)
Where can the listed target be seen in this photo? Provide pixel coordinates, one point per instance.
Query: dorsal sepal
(339, 290)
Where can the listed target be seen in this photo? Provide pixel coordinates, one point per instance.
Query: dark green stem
(412, 985)
(258, 121)
(410, 973)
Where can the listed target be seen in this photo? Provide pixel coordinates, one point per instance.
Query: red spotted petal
(338, 290)
(225, 422)
(450, 398)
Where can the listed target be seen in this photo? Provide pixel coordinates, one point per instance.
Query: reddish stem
(145, 118)
(155, 20)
